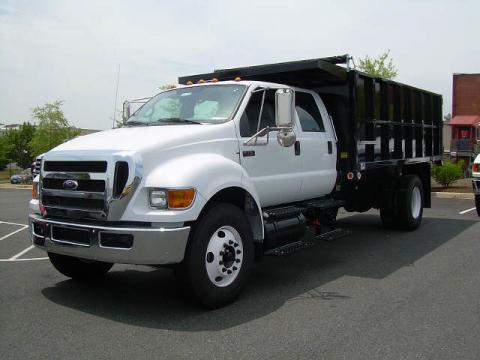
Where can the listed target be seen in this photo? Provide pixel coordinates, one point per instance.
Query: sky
(71, 50)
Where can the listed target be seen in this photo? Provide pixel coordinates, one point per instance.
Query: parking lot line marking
(13, 232)
(22, 252)
(465, 211)
(30, 259)
(12, 223)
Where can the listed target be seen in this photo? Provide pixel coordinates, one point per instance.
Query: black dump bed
(378, 122)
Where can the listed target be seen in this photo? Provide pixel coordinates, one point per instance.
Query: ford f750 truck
(237, 164)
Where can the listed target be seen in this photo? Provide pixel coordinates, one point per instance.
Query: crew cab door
(317, 144)
(274, 169)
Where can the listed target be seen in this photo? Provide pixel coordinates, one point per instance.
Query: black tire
(194, 268)
(79, 269)
(404, 199)
(477, 204)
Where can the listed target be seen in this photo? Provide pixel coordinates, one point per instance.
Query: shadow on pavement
(153, 299)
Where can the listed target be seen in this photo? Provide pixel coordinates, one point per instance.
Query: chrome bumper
(476, 186)
(147, 246)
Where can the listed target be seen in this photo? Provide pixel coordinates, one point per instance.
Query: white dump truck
(234, 165)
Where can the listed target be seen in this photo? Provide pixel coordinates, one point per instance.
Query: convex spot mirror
(284, 116)
(126, 110)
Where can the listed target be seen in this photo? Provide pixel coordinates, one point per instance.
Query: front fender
(207, 173)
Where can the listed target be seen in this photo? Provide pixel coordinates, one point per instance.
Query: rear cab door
(316, 140)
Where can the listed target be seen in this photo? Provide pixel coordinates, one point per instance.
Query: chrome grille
(86, 199)
(38, 164)
(76, 166)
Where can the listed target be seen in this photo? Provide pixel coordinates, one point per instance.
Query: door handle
(330, 147)
(297, 148)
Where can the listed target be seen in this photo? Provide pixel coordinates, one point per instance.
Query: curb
(451, 195)
(16, 187)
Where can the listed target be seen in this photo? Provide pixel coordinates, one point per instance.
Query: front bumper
(144, 245)
(476, 186)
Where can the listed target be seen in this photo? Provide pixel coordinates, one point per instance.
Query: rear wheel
(220, 255)
(477, 204)
(79, 269)
(409, 202)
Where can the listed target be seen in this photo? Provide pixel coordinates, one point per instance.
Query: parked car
(16, 179)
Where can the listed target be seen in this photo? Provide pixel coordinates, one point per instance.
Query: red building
(465, 122)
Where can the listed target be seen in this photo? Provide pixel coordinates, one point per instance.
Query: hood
(143, 138)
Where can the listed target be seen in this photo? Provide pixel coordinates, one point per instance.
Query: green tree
(3, 152)
(381, 66)
(52, 129)
(17, 145)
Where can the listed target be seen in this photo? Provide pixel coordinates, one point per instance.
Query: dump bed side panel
(394, 122)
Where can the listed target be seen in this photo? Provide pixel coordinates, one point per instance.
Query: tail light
(475, 167)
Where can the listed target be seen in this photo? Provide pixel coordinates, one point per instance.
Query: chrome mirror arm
(252, 141)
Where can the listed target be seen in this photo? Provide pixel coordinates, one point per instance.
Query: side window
(308, 113)
(249, 119)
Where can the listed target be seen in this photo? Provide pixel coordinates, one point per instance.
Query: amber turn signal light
(35, 190)
(181, 198)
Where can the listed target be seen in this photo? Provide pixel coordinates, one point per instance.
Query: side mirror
(284, 108)
(284, 112)
(126, 110)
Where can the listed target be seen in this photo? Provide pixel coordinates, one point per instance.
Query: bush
(448, 173)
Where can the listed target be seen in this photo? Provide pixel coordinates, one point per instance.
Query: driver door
(274, 169)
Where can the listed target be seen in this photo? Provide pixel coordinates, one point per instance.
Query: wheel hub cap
(224, 256)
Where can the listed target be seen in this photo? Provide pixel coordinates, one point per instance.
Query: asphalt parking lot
(374, 294)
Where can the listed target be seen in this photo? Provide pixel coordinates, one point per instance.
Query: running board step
(286, 212)
(322, 204)
(305, 244)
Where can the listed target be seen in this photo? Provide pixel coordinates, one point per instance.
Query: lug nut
(237, 261)
(229, 271)
(230, 242)
(234, 268)
(225, 245)
(224, 269)
(235, 245)
(221, 262)
(238, 252)
(221, 253)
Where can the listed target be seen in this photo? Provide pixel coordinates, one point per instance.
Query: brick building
(465, 123)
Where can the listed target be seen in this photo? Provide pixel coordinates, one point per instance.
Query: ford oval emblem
(70, 185)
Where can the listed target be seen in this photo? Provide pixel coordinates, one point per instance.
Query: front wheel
(79, 269)
(220, 255)
(477, 204)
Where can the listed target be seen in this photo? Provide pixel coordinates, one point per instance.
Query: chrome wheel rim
(416, 202)
(224, 256)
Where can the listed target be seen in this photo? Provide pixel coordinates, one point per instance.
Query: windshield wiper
(175, 121)
(136, 122)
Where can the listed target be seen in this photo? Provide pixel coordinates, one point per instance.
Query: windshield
(196, 104)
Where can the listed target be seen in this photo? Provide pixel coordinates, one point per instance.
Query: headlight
(171, 198)
(158, 199)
